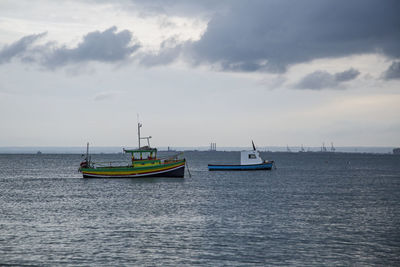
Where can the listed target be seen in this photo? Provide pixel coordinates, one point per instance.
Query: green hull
(174, 169)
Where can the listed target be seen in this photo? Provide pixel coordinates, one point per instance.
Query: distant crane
(288, 149)
(333, 149)
(323, 148)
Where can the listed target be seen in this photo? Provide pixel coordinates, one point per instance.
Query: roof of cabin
(141, 150)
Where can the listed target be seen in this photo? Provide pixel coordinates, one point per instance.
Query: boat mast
(87, 153)
(138, 127)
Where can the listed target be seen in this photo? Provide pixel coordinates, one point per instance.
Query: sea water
(313, 209)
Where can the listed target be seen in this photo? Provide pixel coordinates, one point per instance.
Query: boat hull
(253, 167)
(164, 170)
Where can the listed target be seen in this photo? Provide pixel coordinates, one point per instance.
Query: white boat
(250, 160)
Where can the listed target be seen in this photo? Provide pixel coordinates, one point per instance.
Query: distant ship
(250, 160)
(302, 149)
(396, 151)
(144, 164)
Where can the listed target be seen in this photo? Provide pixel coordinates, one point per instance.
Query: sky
(279, 72)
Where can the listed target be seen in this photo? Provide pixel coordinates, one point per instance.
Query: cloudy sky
(275, 71)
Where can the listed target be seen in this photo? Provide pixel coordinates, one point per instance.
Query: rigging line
(190, 175)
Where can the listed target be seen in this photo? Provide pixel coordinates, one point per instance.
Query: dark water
(314, 209)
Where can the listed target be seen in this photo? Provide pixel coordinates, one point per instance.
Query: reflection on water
(314, 209)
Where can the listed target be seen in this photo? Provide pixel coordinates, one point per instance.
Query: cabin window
(252, 156)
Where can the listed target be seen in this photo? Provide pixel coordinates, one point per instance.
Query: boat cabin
(250, 157)
(144, 156)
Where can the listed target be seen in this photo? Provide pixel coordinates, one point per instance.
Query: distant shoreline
(116, 150)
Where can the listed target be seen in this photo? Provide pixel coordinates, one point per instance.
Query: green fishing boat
(144, 163)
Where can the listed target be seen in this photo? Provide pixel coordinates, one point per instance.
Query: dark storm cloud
(270, 35)
(18, 48)
(253, 35)
(393, 72)
(323, 80)
(317, 80)
(106, 46)
(346, 75)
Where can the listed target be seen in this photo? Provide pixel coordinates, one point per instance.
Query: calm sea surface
(314, 209)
